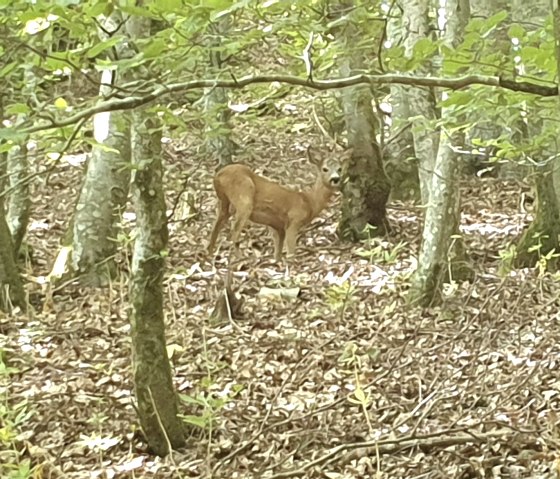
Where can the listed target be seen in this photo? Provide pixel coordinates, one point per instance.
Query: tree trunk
(487, 129)
(400, 160)
(366, 188)
(442, 254)
(12, 292)
(101, 201)
(541, 237)
(155, 395)
(19, 199)
(218, 114)
(92, 233)
(422, 101)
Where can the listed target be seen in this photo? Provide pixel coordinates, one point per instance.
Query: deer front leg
(278, 237)
(291, 239)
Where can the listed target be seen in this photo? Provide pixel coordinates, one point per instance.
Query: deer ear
(313, 156)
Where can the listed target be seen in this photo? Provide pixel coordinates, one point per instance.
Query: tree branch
(132, 102)
(392, 446)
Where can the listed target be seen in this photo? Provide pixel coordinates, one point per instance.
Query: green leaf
(496, 19)
(4, 147)
(154, 48)
(104, 45)
(12, 134)
(197, 421)
(236, 6)
(9, 68)
(168, 6)
(458, 98)
(516, 31)
(141, 12)
(98, 8)
(424, 47)
(17, 109)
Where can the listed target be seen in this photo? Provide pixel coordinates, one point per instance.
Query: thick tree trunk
(101, 201)
(540, 240)
(366, 188)
(92, 233)
(541, 236)
(442, 253)
(156, 398)
(422, 101)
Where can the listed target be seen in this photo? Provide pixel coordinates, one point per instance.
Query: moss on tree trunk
(12, 292)
(541, 236)
(157, 401)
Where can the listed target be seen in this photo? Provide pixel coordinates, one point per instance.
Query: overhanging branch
(456, 83)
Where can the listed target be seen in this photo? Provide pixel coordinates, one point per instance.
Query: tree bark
(218, 114)
(442, 253)
(541, 237)
(155, 395)
(400, 159)
(12, 292)
(19, 200)
(103, 195)
(422, 101)
(365, 187)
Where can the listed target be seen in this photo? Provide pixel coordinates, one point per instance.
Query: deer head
(329, 169)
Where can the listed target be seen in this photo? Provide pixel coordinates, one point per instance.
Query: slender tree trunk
(400, 162)
(366, 187)
(218, 114)
(422, 100)
(155, 395)
(12, 292)
(487, 129)
(19, 199)
(18, 202)
(442, 252)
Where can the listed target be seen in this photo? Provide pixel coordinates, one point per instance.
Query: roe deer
(260, 200)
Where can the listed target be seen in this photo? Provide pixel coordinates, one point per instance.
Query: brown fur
(260, 200)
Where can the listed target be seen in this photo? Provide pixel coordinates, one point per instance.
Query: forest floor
(343, 381)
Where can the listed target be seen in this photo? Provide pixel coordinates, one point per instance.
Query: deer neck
(318, 197)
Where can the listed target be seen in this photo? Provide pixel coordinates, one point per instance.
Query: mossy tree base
(541, 237)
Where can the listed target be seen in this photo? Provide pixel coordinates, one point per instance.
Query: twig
(390, 446)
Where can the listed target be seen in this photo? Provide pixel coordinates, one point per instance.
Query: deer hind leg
(242, 196)
(222, 217)
(278, 237)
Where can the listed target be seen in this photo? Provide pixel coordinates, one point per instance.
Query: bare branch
(456, 83)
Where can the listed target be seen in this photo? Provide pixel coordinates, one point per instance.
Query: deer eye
(325, 169)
